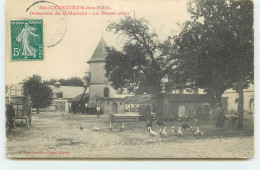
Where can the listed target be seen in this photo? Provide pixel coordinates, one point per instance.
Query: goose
(153, 133)
(179, 132)
(123, 127)
(96, 128)
(164, 133)
(198, 132)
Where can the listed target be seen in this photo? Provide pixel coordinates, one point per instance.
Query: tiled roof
(77, 98)
(138, 99)
(100, 51)
(69, 92)
(145, 99)
(187, 97)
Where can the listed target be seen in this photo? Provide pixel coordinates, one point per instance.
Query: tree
(73, 81)
(216, 48)
(141, 65)
(41, 95)
(87, 80)
(6, 88)
(50, 82)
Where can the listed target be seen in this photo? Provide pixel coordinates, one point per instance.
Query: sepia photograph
(121, 79)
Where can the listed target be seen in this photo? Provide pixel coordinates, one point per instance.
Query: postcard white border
(251, 164)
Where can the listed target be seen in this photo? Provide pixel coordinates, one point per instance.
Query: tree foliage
(216, 47)
(41, 95)
(87, 79)
(140, 66)
(73, 81)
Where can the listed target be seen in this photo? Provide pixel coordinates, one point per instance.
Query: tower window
(106, 92)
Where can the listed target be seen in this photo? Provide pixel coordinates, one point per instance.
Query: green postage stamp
(26, 40)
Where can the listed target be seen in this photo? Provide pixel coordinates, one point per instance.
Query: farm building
(100, 90)
(111, 105)
(133, 103)
(99, 86)
(233, 100)
(62, 95)
(174, 105)
(181, 105)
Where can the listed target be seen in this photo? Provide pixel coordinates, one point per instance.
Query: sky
(68, 58)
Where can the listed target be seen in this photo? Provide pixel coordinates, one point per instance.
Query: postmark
(26, 39)
(55, 26)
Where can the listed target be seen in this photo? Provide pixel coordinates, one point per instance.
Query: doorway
(114, 108)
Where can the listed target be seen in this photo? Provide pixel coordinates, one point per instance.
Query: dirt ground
(55, 135)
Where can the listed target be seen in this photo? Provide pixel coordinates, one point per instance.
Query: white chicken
(198, 132)
(153, 133)
(96, 128)
(164, 133)
(179, 132)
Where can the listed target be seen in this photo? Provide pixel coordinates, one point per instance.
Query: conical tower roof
(100, 52)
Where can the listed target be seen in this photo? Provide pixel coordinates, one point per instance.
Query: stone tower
(99, 86)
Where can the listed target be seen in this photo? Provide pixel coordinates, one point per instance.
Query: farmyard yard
(55, 135)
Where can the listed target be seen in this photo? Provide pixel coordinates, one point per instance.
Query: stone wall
(233, 104)
(97, 91)
(97, 70)
(108, 105)
(172, 109)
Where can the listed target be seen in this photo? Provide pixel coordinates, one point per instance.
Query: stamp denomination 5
(26, 40)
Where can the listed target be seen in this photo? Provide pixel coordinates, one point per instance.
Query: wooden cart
(21, 102)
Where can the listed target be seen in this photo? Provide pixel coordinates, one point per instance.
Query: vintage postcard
(129, 79)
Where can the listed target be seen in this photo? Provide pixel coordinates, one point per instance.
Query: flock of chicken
(162, 132)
